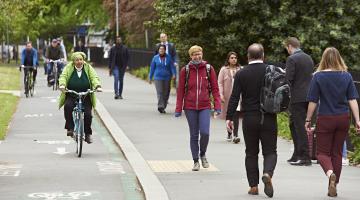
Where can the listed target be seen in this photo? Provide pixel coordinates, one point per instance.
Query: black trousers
(266, 133)
(297, 128)
(236, 120)
(70, 103)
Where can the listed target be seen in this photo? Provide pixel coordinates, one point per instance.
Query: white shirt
(256, 61)
(79, 72)
(167, 46)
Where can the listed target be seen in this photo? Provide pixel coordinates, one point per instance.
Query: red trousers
(331, 132)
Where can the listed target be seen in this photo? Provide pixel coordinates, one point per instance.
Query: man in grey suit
(299, 69)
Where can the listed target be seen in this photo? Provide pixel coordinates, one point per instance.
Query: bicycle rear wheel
(80, 135)
(27, 83)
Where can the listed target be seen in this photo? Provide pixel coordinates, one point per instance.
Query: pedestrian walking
(196, 81)
(118, 62)
(162, 70)
(256, 126)
(170, 50)
(80, 47)
(299, 69)
(226, 81)
(333, 87)
(80, 77)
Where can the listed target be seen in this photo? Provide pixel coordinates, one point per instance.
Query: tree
(226, 25)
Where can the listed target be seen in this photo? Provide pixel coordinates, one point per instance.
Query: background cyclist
(29, 57)
(53, 52)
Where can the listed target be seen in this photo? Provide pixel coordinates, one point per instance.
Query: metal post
(7, 41)
(117, 18)
(146, 39)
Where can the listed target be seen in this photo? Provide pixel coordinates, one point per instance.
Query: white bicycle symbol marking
(59, 195)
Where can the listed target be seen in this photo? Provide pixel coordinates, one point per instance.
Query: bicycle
(78, 117)
(29, 80)
(55, 73)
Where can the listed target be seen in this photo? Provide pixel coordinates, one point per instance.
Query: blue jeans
(119, 74)
(199, 124)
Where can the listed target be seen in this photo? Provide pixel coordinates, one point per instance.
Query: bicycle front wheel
(32, 86)
(80, 135)
(27, 84)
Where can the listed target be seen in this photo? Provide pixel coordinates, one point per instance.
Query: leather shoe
(268, 189)
(116, 97)
(70, 133)
(253, 191)
(88, 139)
(301, 163)
(292, 159)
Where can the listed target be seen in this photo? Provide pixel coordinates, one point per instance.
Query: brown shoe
(332, 186)
(70, 133)
(253, 191)
(268, 189)
(88, 139)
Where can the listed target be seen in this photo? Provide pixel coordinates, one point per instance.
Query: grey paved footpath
(38, 160)
(164, 138)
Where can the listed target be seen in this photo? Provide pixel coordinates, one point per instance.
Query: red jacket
(197, 96)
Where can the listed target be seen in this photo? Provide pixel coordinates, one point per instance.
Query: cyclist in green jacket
(78, 76)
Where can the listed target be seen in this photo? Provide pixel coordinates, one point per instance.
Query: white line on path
(61, 151)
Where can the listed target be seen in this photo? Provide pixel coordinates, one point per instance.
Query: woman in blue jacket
(162, 70)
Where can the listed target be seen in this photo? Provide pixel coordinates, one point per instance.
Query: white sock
(329, 172)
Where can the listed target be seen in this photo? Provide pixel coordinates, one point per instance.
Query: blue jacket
(162, 69)
(33, 53)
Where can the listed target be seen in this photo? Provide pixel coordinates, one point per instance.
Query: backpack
(275, 93)
(187, 72)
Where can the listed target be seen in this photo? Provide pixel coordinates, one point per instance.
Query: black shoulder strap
(186, 77)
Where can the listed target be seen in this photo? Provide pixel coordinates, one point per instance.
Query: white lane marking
(54, 141)
(0, 142)
(38, 115)
(61, 151)
(109, 167)
(48, 97)
(53, 100)
(59, 195)
(10, 169)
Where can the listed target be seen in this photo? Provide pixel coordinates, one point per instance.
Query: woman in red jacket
(196, 81)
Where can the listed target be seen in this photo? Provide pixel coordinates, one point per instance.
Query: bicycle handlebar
(80, 94)
(53, 61)
(28, 67)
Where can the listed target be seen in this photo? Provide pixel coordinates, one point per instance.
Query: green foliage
(48, 18)
(220, 26)
(141, 72)
(354, 157)
(283, 126)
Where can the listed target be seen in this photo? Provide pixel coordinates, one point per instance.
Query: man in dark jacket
(257, 126)
(299, 69)
(118, 62)
(53, 52)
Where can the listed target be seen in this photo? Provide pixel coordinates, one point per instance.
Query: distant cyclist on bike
(53, 52)
(78, 76)
(29, 58)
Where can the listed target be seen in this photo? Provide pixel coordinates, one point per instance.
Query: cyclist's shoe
(70, 133)
(88, 139)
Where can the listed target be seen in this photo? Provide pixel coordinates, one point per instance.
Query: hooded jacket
(197, 96)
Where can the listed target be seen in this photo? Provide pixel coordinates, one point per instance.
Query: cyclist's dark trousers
(33, 71)
(297, 128)
(70, 103)
(50, 71)
(266, 133)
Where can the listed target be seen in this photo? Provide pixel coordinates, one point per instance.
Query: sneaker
(196, 166)
(229, 137)
(268, 189)
(345, 162)
(88, 139)
(303, 162)
(253, 191)
(70, 133)
(236, 140)
(332, 186)
(204, 162)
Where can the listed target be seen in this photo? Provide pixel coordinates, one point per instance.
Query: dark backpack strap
(186, 78)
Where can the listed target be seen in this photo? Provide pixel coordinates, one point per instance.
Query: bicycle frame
(55, 73)
(29, 82)
(78, 117)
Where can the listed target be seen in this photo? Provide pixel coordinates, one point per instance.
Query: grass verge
(8, 104)
(9, 78)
